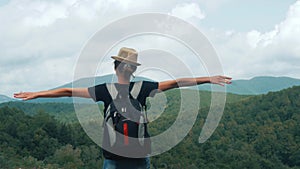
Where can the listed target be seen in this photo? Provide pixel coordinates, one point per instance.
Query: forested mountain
(40, 141)
(255, 132)
(259, 132)
(65, 112)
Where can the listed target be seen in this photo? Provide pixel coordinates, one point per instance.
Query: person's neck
(123, 80)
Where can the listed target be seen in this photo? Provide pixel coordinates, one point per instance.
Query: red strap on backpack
(125, 131)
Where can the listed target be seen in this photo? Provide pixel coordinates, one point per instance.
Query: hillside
(258, 132)
(255, 132)
(65, 112)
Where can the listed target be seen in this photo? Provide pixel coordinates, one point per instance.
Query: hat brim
(121, 59)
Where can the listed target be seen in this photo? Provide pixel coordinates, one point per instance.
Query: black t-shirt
(100, 92)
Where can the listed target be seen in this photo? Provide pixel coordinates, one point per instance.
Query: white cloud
(287, 30)
(213, 5)
(41, 39)
(36, 76)
(42, 13)
(187, 11)
(255, 53)
(256, 38)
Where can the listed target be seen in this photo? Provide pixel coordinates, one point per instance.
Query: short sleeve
(148, 90)
(99, 93)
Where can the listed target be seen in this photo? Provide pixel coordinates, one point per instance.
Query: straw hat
(127, 55)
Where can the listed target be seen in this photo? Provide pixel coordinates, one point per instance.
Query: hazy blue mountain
(258, 85)
(4, 98)
(254, 86)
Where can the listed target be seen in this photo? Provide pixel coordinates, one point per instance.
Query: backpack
(125, 125)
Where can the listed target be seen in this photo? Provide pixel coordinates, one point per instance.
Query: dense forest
(255, 132)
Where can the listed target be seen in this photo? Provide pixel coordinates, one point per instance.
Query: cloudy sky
(41, 40)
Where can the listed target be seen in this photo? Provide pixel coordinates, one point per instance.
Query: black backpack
(125, 125)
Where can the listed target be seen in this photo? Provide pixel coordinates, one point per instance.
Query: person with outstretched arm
(125, 64)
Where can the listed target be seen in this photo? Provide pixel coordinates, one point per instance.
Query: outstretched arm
(62, 92)
(170, 84)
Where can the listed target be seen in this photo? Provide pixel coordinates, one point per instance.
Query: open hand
(220, 80)
(25, 95)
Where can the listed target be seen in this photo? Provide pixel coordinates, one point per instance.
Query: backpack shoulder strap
(112, 90)
(136, 89)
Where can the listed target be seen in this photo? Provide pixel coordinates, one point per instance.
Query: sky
(42, 40)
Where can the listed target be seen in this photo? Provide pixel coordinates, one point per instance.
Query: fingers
(225, 79)
(22, 95)
(221, 80)
(19, 95)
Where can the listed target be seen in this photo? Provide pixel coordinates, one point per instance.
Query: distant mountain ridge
(4, 98)
(257, 85)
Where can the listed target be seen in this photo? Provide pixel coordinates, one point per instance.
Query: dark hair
(118, 63)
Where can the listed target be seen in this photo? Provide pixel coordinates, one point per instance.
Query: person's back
(125, 120)
(123, 143)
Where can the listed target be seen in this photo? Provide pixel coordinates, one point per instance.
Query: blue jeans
(132, 163)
